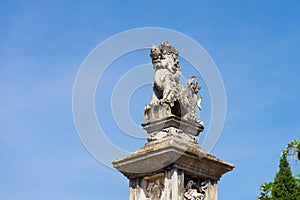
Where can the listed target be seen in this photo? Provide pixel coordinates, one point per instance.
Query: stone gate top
(172, 166)
(172, 109)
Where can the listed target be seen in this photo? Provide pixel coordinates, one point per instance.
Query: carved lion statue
(169, 96)
(166, 87)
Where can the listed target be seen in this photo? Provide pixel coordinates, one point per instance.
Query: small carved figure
(153, 188)
(190, 99)
(194, 192)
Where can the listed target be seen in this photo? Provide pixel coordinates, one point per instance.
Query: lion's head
(165, 56)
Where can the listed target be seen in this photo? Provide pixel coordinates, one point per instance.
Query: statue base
(172, 169)
(173, 126)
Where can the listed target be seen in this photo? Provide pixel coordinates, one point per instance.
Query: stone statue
(170, 98)
(171, 165)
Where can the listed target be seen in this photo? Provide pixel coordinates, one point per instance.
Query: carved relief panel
(195, 188)
(153, 186)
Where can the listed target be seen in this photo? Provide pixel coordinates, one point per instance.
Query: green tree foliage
(285, 186)
(292, 149)
(265, 189)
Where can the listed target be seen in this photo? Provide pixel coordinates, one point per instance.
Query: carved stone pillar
(212, 190)
(174, 180)
(172, 166)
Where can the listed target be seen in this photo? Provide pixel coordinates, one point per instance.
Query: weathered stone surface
(170, 98)
(172, 152)
(173, 126)
(171, 165)
(179, 161)
(195, 188)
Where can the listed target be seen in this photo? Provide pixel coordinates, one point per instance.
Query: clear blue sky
(255, 45)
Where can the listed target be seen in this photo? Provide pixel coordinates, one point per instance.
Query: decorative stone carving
(195, 190)
(172, 165)
(153, 186)
(171, 131)
(170, 98)
(175, 127)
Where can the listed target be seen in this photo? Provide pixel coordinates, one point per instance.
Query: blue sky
(255, 45)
